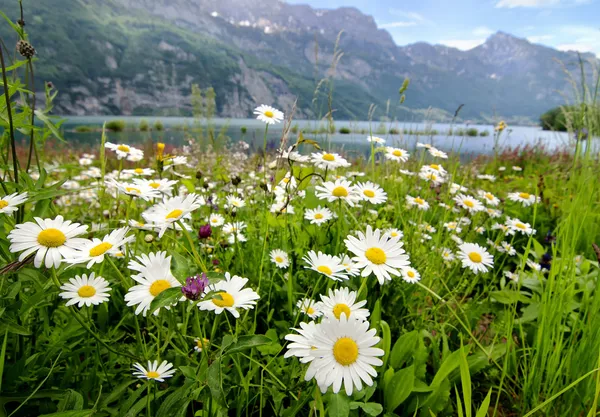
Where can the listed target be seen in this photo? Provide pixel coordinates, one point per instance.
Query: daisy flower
(319, 215)
(338, 190)
(507, 248)
(155, 371)
(410, 275)
(9, 203)
(171, 210)
(51, 239)
(447, 255)
(434, 177)
(525, 199)
(268, 114)
(375, 139)
(201, 343)
(293, 155)
(302, 345)
(93, 251)
(342, 301)
(143, 172)
(504, 228)
(279, 258)
(514, 277)
(489, 198)
(154, 277)
(328, 265)
(310, 307)
(487, 177)
(82, 290)
(424, 145)
(454, 188)
(516, 168)
(380, 255)
(417, 202)
(437, 168)
(453, 226)
(392, 232)
(234, 202)
(407, 173)
(493, 213)
(162, 185)
(396, 154)
(351, 267)
(328, 160)
(140, 190)
(344, 353)
(475, 257)
(469, 203)
(216, 220)
(519, 226)
(437, 153)
(125, 151)
(230, 296)
(235, 227)
(370, 192)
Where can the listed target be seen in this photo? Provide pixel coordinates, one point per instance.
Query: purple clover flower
(194, 287)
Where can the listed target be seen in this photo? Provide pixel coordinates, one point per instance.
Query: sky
(464, 24)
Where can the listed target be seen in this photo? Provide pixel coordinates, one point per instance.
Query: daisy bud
(148, 238)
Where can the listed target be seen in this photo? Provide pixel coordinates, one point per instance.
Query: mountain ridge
(141, 57)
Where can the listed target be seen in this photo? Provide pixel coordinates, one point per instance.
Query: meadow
(209, 280)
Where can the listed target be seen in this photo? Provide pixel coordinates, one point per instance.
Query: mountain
(141, 57)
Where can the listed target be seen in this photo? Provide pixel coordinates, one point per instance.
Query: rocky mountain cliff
(142, 57)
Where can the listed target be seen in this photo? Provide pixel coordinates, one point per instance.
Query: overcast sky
(464, 24)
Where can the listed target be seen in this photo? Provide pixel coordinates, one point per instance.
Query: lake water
(174, 134)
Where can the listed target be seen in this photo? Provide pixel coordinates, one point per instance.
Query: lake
(174, 134)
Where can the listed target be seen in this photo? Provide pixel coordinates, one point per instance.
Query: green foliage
(159, 126)
(144, 125)
(116, 125)
(84, 129)
(345, 130)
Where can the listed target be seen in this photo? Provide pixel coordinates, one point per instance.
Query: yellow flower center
(175, 214)
(152, 374)
(376, 256)
(123, 148)
(86, 291)
(524, 195)
(521, 226)
(100, 249)
(215, 220)
(133, 190)
(489, 196)
(338, 309)
(154, 185)
(3, 203)
(469, 203)
(226, 300)
(51, 238)
(269, 113)
(393, 234)
(475, 257)
(318, 216)
(286, 180)
(279, 259)
(410, 274)
(419, 201)
(324, 269)
(340, 192)
(369, 193)
(310, 310)
(434, 166)
(345, 351)
(201, 342)
(328, 157)
(159, 286)
(397, 153)
(139, 171)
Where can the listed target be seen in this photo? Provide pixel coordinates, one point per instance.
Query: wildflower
(410, 275)
(437, 153)
(469, 203)
(487, 177)
(370, 192)
(302, 343)
(507, 248)
(344, 353)
(279, 258)
(513, 276)
(51, 239)
(342, 301)
(310, 307)
(204, 232)
(268, 114)
(351, 267)
(475, 257)
(201, 343)
(432, 177)
(454, 188)
(216, 220)
(140, 190)
(489, 198)
(500, 126)
(143, 172)
(318, 216)
(154, 277)
(392, 232)
(194, 287)
(155, 371)
(417, 202)
(234, 202)
(435, 168)
(125, 151)
(375, 139)
(82, 290)
(171, 210)
(516, 168)
(338, 190)
(328, 265)
(453, 226)
(525, 199)
(380, 255)
(519, 226)
(328, 160)
(396, 154)
(93, 251)
(163, 185)
(9, 203)
(406, 172)
(230, 296)
(447, 255)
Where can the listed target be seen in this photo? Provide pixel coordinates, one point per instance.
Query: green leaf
(214, 381)
(450, 364)
(71, 401)
(338, 405)
(386, 341)
(11, 327)
(116, 393)
(485, 405)
(40, 115)
(248, 342)
(509, 297)
(465, 378)
(166, 298)
(403, 349)
(372, 409)
(80, 413)
(399, 388)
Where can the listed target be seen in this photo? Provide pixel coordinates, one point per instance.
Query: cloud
(402, 24)
(539, 38)
(482, 31)
(462, 44)
(580, 47)
(410, 16)
(580, 38)
(539, 3)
